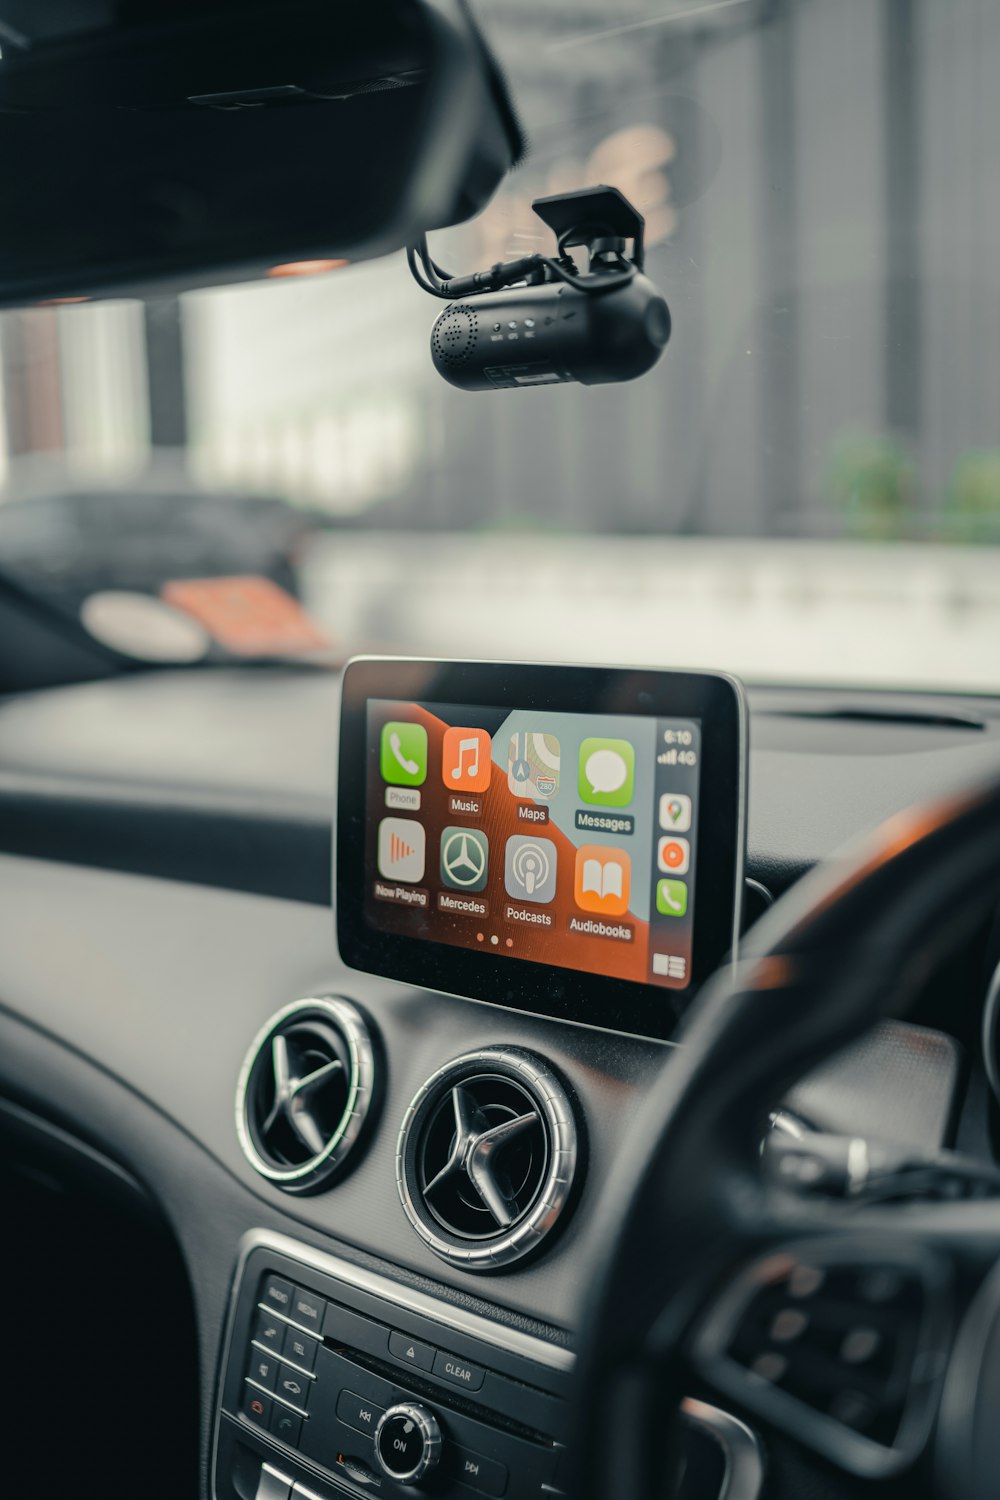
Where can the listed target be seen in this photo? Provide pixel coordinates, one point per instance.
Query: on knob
(408, 1442)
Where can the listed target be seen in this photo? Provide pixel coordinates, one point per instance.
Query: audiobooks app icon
(603, 880)
(402, 847)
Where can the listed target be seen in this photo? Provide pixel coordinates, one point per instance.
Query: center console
(567, 842)
(339, 1380)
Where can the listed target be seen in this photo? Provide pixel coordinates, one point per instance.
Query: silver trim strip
(289, 1323)
(744, 1479)
(281, 1400)
(266, 1349)
(511, 1340)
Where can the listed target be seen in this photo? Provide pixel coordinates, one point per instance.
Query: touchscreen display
(566, 839)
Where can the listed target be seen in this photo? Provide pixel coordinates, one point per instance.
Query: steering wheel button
(769, 1367)
(860, 1345)
(788, 1325)
(806, 1281)
(854, 1409)
(881, 1286)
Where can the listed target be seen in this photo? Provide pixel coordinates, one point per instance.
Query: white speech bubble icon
(606, 771)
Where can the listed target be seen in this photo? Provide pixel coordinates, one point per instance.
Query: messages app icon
(607, 772)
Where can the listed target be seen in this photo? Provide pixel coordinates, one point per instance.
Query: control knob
(408, 1442)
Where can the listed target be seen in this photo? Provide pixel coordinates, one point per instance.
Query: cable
(431, 277)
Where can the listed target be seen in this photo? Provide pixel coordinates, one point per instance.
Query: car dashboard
(165, 858)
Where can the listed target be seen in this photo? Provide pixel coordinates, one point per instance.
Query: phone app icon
(671, 898)
(533, 765)
(465, 859)
(603, 879)
(404, 754)
(402, 847)
(530, 869)
(467, 765)
(607, 772)
(673, 856)
(675, 812)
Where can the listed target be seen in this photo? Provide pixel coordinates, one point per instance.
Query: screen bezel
(521, 984)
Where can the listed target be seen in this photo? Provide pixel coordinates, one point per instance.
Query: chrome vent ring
(487, 1157)
(305, 1092)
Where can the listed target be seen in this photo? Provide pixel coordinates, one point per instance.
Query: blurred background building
(824, 219)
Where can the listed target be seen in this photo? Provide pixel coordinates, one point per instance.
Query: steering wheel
(860, 1339)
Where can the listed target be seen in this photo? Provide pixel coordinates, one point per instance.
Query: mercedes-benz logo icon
(465, 857)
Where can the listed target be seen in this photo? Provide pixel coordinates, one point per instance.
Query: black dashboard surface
(226, 777)
(164, 889)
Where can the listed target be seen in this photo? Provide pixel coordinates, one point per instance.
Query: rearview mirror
(153, 145)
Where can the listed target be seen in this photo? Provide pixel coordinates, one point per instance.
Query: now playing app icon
(401, 849)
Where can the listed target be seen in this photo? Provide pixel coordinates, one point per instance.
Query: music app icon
(466, 764)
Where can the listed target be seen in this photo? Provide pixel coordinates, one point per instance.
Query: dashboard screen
(486, 828)
(566, 839)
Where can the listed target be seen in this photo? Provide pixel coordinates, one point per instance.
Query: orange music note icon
(466, 763)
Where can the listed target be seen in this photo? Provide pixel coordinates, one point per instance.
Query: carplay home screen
(566, 839)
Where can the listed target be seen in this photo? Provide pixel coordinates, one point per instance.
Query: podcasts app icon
(530, 869)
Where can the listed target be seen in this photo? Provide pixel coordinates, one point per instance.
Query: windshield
(806, 488)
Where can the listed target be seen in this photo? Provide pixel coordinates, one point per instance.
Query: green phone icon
(607, 772)
(404, 754)
(671, 898)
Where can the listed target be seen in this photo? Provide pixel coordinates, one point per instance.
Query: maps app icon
(533, 765)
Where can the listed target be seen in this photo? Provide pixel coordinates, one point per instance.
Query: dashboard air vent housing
(487, 1157)
(305, 1092)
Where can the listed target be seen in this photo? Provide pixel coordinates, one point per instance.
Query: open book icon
(602, 879)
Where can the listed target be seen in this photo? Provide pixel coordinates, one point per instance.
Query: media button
(300, 1349)
(460, 1372)
(354, 1411)
(269, 1331)
(277, 1295)
(286, 1425)
(263, 1369)
(411, 1351)
(484, 1475)
(293, 1386)
(307, 1309)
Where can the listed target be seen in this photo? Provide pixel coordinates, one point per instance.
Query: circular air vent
(304, 1092)
(486, 1158)
(454, 335)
